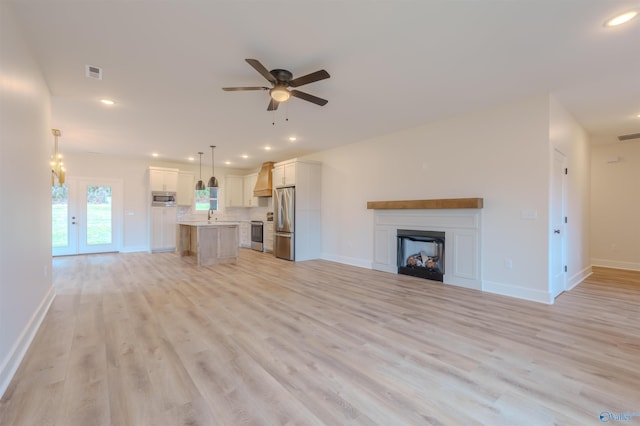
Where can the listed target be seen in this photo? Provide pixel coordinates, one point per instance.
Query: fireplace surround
(459, 219)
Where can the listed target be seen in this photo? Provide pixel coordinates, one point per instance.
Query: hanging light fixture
(57, 166)
(200, 184)
(213, 182)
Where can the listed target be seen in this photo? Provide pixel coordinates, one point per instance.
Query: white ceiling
(393, 65)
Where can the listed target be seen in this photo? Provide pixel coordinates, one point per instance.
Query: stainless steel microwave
(163, 198)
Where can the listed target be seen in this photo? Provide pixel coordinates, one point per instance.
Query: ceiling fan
(281, 80)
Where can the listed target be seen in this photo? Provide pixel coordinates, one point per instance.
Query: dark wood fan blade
(309, 78)
(236, 89)
(273, 105)
(307, 97)
(261, 69)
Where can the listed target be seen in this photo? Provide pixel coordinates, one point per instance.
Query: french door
(86, 216)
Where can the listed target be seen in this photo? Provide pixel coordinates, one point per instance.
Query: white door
(558, 274)
(86, 216)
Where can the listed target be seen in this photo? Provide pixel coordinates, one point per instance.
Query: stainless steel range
(257, 235)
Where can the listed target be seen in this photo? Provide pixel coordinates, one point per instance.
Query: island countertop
(209, 223)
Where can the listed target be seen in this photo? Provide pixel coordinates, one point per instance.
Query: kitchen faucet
(209, 214)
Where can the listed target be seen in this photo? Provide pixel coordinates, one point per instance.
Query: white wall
(500, 154)
(133, 172)
(26, 144)
(615, 205)
(566, 135)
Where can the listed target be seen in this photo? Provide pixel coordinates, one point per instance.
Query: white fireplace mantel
(462, 228)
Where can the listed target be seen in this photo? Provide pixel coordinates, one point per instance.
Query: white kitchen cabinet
(234, 191)
(186, 189)
(249, 182)
(163, 179)
(267, 236)
(284, 174)
(245, 234)
(163, 229)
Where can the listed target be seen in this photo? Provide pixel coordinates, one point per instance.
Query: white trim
(578, 277)
(518, 292)
(12, 361)
(134, 249)
(616, 264)
(361, 263)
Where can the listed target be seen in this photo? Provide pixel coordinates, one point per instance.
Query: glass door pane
(63, 220)
(60, 216)
(97, 229)
(99, 207)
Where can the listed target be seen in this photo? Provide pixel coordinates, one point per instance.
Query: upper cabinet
(239, 191)
(186, 189)
(163, 179)
(284, 174)
(249, 182)
(234, 191)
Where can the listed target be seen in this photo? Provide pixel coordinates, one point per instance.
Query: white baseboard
(134, 249)
(463, 282)
(517, 292)
(616, 264)
(362, 263)
(578, 277)
(12, 361)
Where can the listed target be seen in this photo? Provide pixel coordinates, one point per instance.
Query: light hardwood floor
(142, 339)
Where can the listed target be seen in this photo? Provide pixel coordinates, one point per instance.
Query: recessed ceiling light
(267, 148)
(155, 154)
(245, 156)
(638, 115)
(621, 19)
(227, 162)
(292, 138)
(191, 159)
(107, 101)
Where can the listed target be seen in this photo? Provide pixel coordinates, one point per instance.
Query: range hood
(264, 186)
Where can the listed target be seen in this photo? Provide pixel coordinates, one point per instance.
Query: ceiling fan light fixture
(279, 94)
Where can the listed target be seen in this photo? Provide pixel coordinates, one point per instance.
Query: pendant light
(213, 182)
(200, 184)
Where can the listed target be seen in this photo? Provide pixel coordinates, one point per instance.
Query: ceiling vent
(93, 72)
(629, 137)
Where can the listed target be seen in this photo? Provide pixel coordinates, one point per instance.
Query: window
(207, 199)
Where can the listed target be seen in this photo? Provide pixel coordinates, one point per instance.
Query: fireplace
(421, 254)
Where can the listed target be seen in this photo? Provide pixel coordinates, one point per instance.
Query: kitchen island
(209, 242)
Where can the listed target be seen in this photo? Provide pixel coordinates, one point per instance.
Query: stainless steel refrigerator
(284, 202)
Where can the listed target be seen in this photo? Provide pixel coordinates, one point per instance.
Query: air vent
(629, 137)
(93, 72)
